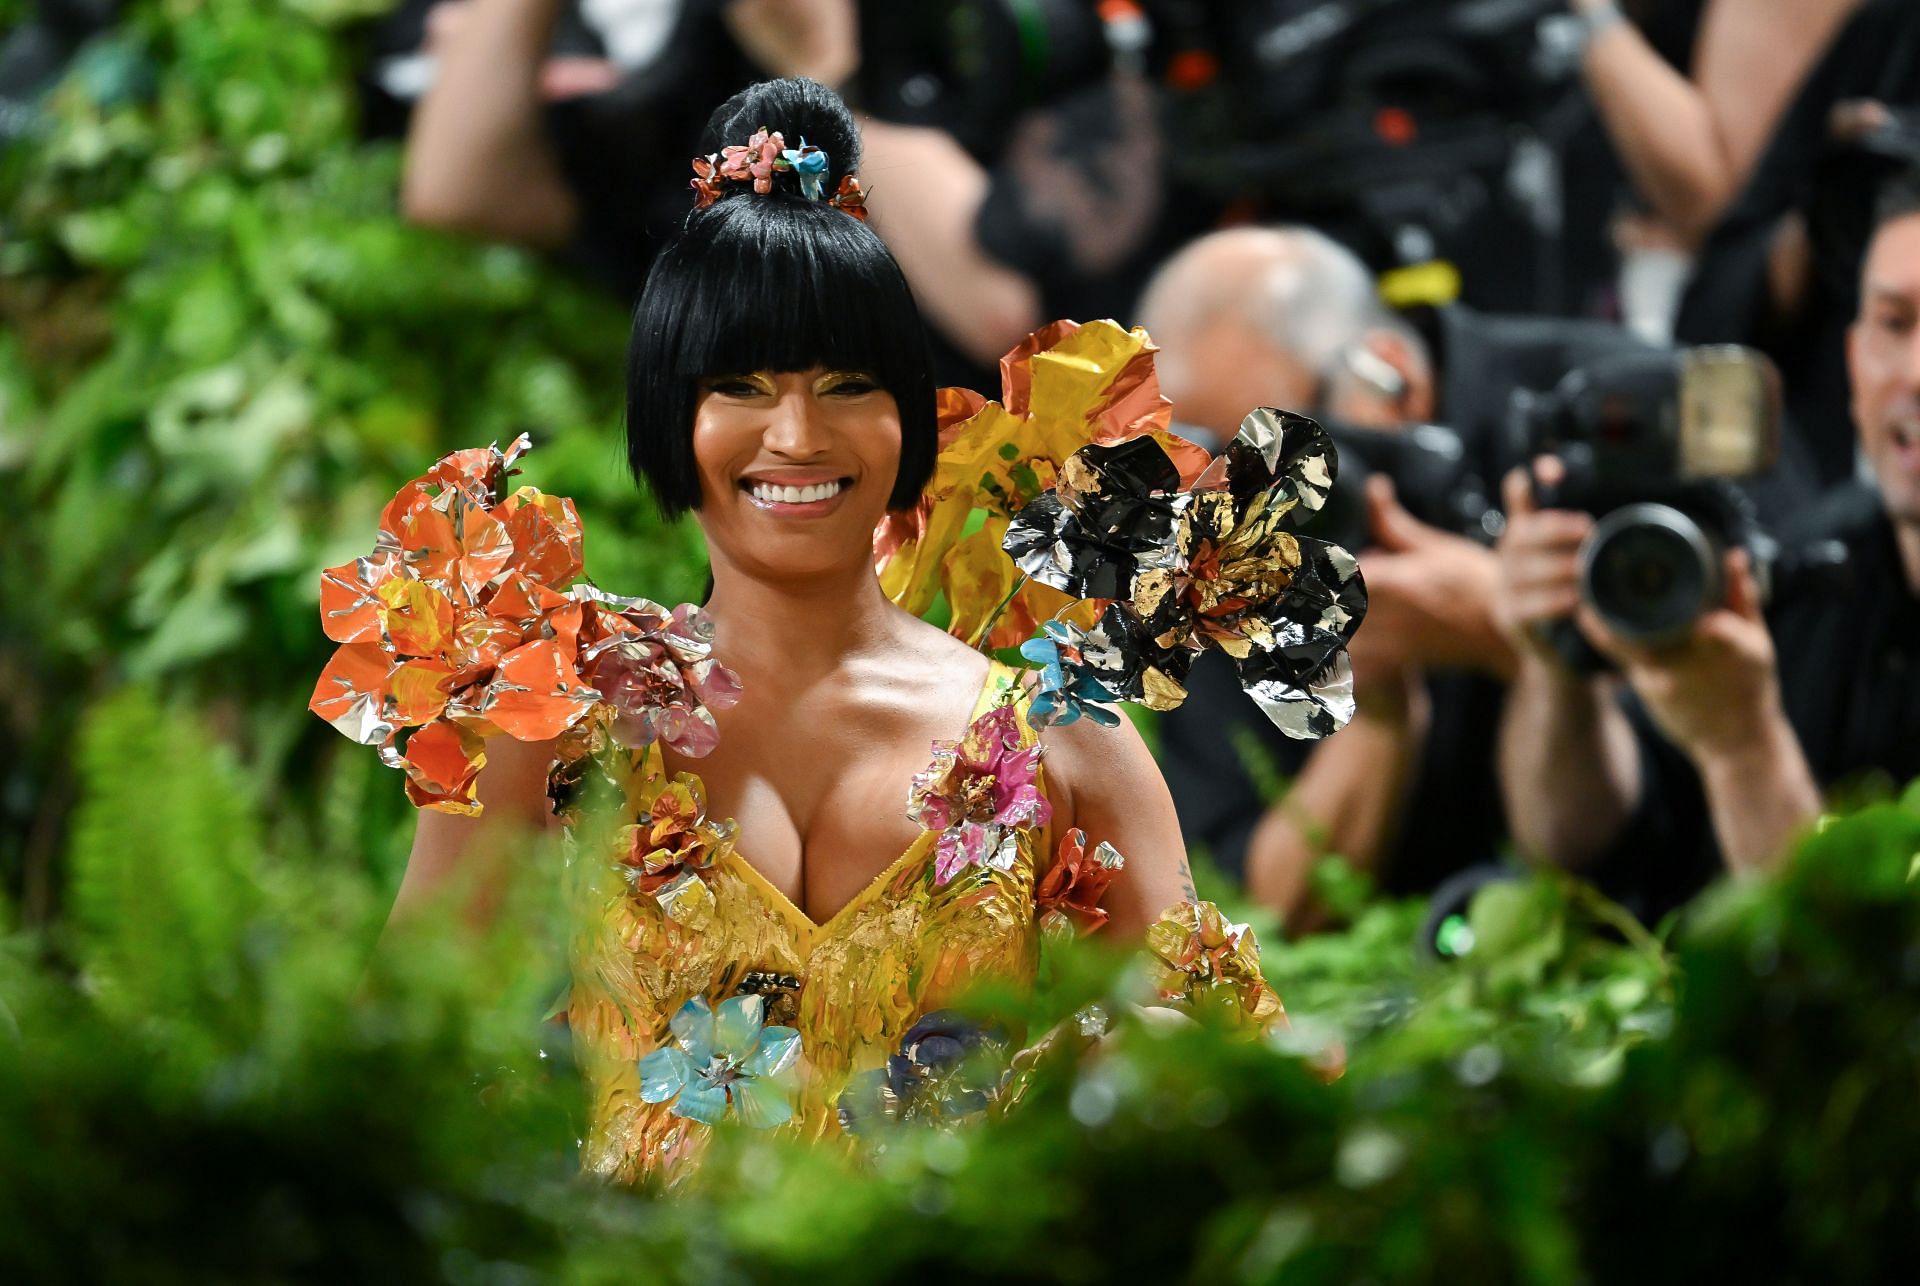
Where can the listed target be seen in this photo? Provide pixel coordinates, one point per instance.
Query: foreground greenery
(211, 1074)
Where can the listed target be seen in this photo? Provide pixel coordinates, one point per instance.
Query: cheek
(875, 437)
(717, 443)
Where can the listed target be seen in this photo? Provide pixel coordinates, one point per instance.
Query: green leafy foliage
(222, 351)
(1567, 1100)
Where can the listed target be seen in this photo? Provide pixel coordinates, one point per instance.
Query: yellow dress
(851, 988)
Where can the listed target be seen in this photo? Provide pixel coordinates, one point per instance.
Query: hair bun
(798, 109)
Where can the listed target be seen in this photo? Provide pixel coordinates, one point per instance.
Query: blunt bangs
(770, 283)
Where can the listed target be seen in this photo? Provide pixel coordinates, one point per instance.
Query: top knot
(761, 157)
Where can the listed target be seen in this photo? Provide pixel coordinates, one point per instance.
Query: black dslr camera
(1652, 445)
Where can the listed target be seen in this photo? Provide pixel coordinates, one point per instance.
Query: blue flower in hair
(810, 163)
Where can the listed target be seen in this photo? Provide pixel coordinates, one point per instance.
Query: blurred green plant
(222, 351)
(215, 1075)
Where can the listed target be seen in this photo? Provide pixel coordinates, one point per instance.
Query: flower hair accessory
(761, 157)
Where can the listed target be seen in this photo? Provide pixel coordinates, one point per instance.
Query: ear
(1415, 402)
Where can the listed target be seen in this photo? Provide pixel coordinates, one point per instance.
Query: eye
(853, 385)
(731, 386)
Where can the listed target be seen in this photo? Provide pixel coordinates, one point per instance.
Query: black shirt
(1849, 662)
(1224, 762)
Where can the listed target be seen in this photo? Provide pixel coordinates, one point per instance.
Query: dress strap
(1002, 686)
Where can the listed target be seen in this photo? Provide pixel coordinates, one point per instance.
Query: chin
(770, 547)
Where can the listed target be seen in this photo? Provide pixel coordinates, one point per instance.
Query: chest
(1850, 680)
(819, 786)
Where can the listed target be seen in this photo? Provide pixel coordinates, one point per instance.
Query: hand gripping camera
(1652, 444)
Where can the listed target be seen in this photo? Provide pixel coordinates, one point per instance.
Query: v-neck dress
(903, 947)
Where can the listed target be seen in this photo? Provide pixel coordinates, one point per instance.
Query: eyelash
(854, 386)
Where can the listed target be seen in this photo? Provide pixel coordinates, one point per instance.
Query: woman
(779, 390)
(782, 931)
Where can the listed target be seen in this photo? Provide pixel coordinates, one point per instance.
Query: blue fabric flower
(1068, 689)
(810, 163)
(724, 1062)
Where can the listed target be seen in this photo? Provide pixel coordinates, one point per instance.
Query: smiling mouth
(771, 494)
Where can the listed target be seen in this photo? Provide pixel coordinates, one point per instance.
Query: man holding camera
(1718, 749)
(1286, 317)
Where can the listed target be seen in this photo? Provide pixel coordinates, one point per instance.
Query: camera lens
(1650, 571)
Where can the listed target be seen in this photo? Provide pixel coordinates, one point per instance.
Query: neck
(801, 627)
(1906, 536)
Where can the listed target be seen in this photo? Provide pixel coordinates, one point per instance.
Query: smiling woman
(876, 824)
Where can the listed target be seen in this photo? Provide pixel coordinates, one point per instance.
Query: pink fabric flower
(977, 792)
(754, 160)
(656, 670)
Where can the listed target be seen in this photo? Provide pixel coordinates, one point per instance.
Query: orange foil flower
(674, 834)
(849, 199)
(705, 181)
(1068, 895)
(1203, 962)
(456, 628)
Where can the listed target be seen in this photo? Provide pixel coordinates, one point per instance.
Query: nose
(795, 428)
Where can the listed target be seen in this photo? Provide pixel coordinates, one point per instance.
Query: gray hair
(1303, 291)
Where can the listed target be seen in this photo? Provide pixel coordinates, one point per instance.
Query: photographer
(1718, 750)
(1285, 317)
(514, 141)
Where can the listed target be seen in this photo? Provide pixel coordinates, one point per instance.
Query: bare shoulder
(1090, 764)
(1105, 782)
(933, 661)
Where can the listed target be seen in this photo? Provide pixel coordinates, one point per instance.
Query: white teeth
(768, 493)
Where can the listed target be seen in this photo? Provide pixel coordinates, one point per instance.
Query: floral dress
(731, 1003)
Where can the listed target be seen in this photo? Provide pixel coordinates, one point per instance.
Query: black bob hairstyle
(773, 282)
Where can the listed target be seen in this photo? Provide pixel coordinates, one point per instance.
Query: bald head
(1257, 317)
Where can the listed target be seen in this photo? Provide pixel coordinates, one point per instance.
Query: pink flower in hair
(754, 160)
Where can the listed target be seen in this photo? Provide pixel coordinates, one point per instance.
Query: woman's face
(795, 468)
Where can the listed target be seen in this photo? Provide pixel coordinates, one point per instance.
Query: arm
(1690, 143)
(512, 789)
(1348, 799)
(924, 192)
(477, 159)
(1569, 769)
(1106, 783)
(1717, 697)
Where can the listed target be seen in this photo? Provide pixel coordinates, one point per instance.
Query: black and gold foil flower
(1213, 565)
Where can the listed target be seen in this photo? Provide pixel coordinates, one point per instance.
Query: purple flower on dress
(977, 792)
(949, 1067)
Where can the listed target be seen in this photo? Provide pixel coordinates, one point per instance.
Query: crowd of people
(1755, 159)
